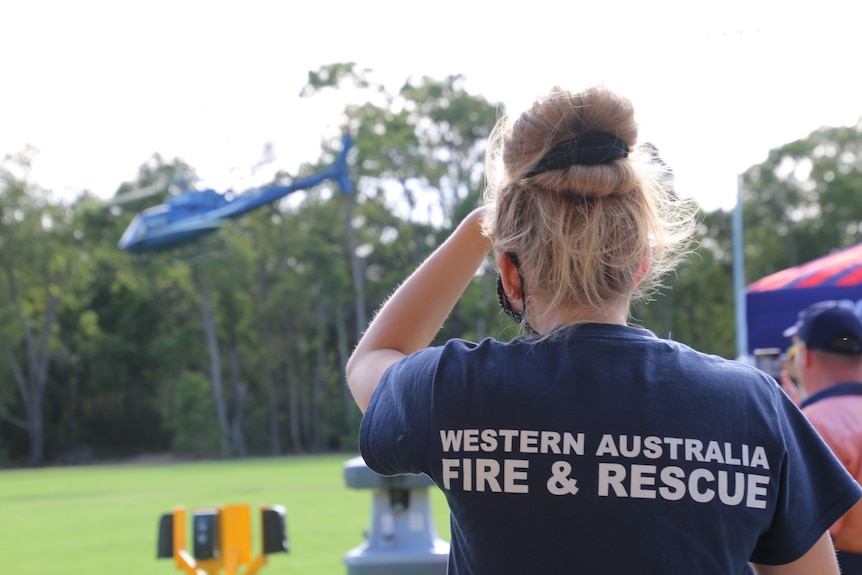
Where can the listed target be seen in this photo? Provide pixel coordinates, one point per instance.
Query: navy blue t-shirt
(604, 449)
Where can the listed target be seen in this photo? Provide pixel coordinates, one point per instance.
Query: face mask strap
(503, 299)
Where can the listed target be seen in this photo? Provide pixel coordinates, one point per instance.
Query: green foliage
(286, 290)
(188, 415)
(335, 76)
(804, 201)
(39, 267)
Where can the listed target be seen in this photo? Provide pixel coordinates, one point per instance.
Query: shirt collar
(849, 388)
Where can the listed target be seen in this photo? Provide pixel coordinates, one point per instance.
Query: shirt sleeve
(394, 433)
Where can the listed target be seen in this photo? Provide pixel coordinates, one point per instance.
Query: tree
(420, 151)
(695, 304)
(804, 201)
(37, 263)
(142, 331)
(97, 345)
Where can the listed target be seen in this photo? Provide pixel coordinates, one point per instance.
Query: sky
(98, 87)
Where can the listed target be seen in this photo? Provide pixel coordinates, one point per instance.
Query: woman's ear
(646, 261)
(510, 277)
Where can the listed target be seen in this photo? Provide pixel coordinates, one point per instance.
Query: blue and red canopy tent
(773, 303)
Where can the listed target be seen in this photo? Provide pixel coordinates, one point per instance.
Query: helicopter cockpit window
(157, 221)
(136, 231)
(137, 228)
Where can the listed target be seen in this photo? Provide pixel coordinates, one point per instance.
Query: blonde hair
(582, 232)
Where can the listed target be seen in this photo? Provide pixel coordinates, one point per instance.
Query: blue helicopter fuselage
(195, 213)
(180, 219)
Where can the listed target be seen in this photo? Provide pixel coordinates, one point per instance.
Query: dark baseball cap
(830, 326)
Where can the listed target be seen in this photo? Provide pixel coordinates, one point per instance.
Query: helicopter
(195, 213)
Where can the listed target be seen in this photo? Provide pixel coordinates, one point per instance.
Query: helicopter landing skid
(196, 251)
(201, 250)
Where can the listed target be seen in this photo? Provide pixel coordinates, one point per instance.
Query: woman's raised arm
(413, 315)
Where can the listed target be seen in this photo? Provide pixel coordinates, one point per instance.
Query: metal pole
(739, 275)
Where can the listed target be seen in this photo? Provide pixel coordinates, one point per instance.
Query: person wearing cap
(828, 366)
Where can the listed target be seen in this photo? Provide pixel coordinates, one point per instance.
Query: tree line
(235, 345)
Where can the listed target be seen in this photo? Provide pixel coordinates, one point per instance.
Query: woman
(588, 445)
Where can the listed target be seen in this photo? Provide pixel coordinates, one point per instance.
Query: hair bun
(572, 142)
(580, 204)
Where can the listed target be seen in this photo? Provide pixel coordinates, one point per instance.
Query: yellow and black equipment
(221, 539)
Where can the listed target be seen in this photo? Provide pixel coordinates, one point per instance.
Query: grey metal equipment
(402, 539)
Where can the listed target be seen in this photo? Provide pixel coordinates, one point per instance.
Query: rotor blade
(137, 194)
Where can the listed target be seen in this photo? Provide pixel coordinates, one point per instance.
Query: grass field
(103, 519)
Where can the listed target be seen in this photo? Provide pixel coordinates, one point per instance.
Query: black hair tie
(590, 149)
